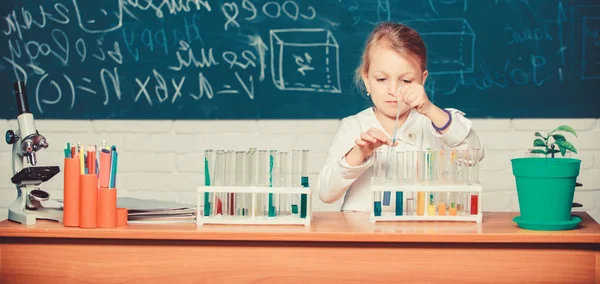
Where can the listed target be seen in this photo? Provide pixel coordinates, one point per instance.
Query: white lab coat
(338, 179)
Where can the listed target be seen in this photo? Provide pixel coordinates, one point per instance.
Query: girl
(393, 72)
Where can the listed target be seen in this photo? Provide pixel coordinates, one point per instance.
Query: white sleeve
(337, 175)
(460, 135)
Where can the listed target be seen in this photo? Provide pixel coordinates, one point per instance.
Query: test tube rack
(427, 189)
(302, 217)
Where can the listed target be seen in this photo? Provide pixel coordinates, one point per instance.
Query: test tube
(219, 180)
(304, 197)
(210, 157)
(410, 203)
(378, 179)
(474, 203)
(399, 170)
(230, 179)
(441, 203)
(474, 166)
(452, 203)
(240, 197)
(296, 179)
(442, 166)
(463, 166)
(422, 173)
(273, 169)
(421, 202)
(432, 169)
(431, 203)
(391, 175)
(283, 198)
(379, 168)
(264, 177)
(252, 181)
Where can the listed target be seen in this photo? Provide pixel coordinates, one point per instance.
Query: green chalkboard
(285, 59)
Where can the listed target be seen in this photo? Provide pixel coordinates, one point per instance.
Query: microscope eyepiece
(21, 94)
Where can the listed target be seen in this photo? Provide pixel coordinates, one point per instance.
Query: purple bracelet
(447, 123)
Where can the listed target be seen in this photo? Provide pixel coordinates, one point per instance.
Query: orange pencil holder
(71, 192)
(107, 208)
(121, 217)
(88, 201)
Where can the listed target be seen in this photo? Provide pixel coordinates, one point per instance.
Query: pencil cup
(107, 208)
(71, 192)
(88, 201)
(121, 217)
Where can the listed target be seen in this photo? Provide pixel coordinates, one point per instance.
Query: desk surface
(327, 227)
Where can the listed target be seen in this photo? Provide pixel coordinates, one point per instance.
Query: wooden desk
(338, 247)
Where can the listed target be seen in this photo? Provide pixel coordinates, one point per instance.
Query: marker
(113, 168)
(105, 168)
(81, 159)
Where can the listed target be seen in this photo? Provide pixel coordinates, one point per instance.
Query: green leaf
(538, 151)
(539, 142)
(567, 145)
(539, 135)
(559, 137)
(566, 128)
(563, 150)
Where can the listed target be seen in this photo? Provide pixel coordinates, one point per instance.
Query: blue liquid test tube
(304, 196)
(399, 203)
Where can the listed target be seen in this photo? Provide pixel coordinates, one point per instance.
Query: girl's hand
(366, 144)
(414, 96)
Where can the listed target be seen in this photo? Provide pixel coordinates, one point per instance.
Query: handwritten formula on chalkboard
(251, 59)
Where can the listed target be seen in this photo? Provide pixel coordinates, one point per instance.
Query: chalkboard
(286, 59)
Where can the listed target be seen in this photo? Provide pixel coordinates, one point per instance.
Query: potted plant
(546, 184)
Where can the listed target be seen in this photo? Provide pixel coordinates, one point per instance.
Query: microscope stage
(40, 174)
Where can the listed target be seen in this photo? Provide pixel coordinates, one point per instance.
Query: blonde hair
(401, 38)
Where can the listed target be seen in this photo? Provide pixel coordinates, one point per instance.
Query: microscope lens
(21, 94)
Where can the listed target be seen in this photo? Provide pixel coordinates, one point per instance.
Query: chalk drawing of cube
(591, 48)
(305, 60)
(450, 44)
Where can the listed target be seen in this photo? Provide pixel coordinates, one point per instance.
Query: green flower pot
(545, 187)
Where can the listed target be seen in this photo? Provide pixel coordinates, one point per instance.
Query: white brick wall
(164, 159)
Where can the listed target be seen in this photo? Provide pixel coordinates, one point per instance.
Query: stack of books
(151, 211)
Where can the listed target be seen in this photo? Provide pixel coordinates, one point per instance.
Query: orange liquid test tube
(442, 209)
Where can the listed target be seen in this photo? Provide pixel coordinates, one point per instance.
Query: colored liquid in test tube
(421, 203)
(264, 176)
(283, 198)
(252, 181)
(399, 207)
(304, 196)
(474, 204)
(377, 203)
(230, 179)
(431, 205)
(272, 181)
(209, 163)
(217, 198)
(441, 204)
(296, 179)
(240, 175)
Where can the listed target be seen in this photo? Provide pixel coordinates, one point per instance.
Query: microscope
(26, 142)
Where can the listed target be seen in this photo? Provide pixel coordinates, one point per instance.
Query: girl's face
(387, 71)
